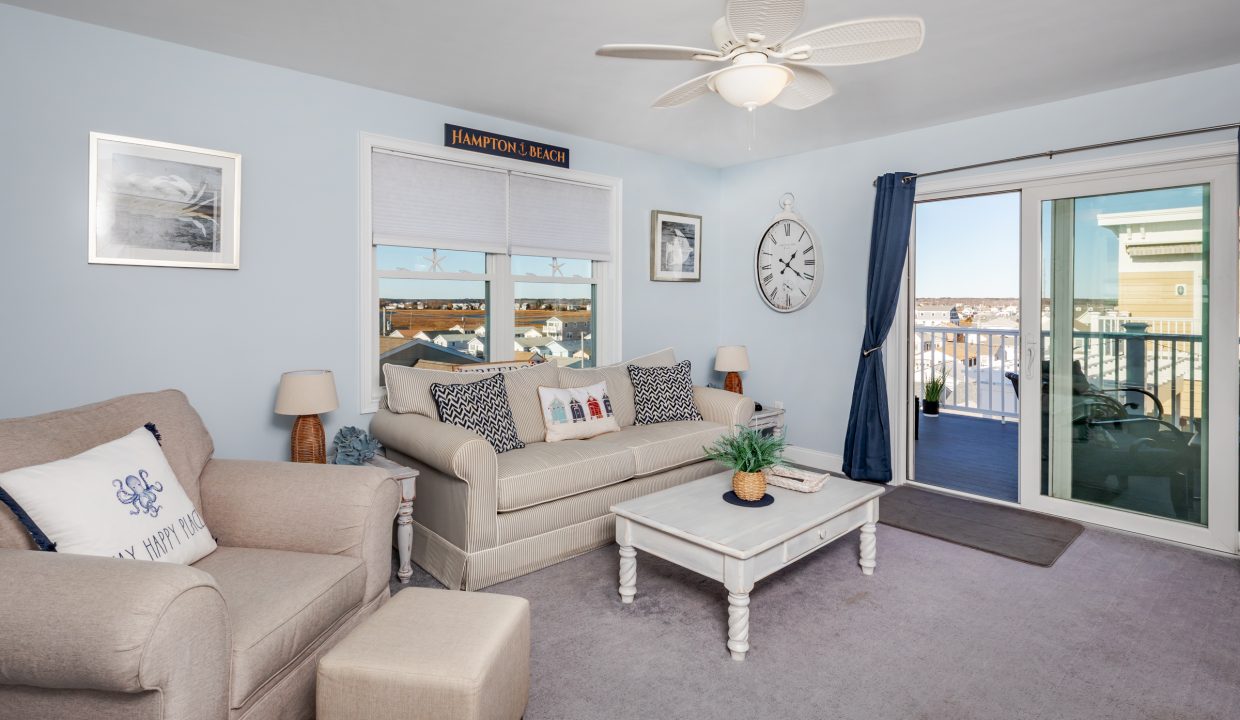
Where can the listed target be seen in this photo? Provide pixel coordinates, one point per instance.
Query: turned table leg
(868, 548)
(404, 531)
(628, 574)
(738, 624)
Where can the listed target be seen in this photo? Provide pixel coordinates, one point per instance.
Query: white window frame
(501, 322)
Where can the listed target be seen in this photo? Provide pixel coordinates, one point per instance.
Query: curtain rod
(1050, 154)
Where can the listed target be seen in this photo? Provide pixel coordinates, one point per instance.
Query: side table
(769, 421)
(405, 478)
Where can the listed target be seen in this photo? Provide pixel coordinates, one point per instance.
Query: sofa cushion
(617, 378)
(481, 406)
(658, 448)
(65, 433)
(542, 472)
(279, 604)
(409, 391)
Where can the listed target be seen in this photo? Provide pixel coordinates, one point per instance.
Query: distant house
(544, 346)
(462, 342)
(481, 330)
(556, 328)
(421, 335)
(936, 315)
(553, 327)
(395, 334)
(528, 331)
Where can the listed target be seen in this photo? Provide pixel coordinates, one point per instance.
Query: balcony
(972, 446)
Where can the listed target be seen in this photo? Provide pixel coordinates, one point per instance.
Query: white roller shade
(424, 202)
(558, 218)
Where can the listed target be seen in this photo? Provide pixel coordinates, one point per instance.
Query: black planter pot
(930, 408)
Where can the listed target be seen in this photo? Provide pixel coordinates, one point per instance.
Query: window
(469, 260)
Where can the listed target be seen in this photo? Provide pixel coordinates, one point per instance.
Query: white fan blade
(857, 41)
(684, 92)
(809, 88)
(657, 52)
(774, 20)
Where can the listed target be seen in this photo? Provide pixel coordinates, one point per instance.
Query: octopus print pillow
(575, 413)
(120, 499)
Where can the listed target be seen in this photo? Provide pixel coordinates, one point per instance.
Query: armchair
(304, 553)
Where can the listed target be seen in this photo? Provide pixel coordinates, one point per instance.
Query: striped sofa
(481, 518)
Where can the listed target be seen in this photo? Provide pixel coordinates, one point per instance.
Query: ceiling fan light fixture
(751, 82)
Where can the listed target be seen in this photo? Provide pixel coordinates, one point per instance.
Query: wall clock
(786, 264)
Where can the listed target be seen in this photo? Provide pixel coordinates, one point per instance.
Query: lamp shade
(731, 358)
(306, 392)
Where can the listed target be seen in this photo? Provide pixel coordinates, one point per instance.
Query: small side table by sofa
(769, 421)
(405, 478)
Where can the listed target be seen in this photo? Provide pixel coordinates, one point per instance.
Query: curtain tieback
(866, 353)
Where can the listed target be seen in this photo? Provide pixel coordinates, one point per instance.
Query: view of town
(434, 332)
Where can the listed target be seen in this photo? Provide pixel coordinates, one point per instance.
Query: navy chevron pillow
(663, 394)
(481, 406)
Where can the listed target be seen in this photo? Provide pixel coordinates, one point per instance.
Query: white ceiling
(534, 62)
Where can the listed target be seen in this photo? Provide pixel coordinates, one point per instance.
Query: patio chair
(1116, 438)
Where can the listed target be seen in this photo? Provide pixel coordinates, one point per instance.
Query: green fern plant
(933, 390)
(747, 451)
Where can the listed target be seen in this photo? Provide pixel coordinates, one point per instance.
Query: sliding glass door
(1128, 380)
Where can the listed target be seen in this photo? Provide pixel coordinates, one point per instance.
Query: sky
(970, 247)
(420, 259)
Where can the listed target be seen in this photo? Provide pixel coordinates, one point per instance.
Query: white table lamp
(733, 360)
(306, 393)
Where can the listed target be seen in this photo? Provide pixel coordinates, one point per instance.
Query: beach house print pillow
(575, 413)
(120, 499)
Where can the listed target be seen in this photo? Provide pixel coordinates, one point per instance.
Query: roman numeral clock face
(787, 266)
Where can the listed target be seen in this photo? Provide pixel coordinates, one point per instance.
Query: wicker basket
(749, 486)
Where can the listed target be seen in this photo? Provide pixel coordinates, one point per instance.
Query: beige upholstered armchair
(304, 553)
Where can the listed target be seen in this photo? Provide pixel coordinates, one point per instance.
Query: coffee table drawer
(820, 535)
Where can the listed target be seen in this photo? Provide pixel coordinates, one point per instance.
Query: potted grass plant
(748, 453)
(932, 394)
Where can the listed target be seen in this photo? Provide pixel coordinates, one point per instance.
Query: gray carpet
(1017, 534)
(1120, 628)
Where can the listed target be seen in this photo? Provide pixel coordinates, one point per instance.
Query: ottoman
(431, 655)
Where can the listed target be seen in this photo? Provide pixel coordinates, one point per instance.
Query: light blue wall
(808, 359)
(72, 333)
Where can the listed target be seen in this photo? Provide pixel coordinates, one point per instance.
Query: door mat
(1016, 534)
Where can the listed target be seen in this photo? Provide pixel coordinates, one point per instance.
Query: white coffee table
(692, 526)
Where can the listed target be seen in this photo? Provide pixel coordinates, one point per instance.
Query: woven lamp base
(308, 444)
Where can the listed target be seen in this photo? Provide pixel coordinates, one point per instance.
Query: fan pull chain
(753, 128)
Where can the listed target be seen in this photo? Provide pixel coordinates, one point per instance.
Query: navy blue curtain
(867, 445)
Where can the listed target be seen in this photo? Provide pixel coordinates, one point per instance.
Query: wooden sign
(481, 141)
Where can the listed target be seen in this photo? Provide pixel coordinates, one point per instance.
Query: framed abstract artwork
(675, 247)
(155, 203)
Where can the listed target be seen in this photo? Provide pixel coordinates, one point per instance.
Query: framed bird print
(155, 203)
(675, 247)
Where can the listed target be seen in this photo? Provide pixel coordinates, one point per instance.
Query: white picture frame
(160, 204)
(675, 247)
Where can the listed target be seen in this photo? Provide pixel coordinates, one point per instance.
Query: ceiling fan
(766, 65)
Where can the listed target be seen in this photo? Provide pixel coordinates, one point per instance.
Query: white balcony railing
(972, 362)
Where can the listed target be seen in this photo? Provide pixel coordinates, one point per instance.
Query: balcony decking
(970, 454)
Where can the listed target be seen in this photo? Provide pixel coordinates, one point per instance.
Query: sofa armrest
(97, 623)
(303, 507)
(451, 449)
(723, 407)
(456, 491)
